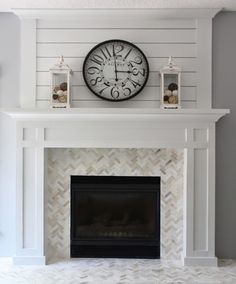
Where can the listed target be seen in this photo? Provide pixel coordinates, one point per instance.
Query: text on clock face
(116, 70)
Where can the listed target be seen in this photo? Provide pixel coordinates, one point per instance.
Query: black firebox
(115, 216)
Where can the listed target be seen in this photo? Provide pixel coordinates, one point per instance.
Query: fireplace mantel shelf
(101, 13)
(184, 115)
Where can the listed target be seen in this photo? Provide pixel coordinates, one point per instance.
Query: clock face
(115, 70)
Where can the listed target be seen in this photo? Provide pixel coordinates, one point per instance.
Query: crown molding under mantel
(71, 14)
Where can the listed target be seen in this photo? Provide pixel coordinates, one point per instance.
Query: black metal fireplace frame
(120, 248)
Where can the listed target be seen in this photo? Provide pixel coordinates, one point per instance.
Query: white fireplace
(91, 123)
(191, 129)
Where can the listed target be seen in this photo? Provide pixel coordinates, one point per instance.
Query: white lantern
(60, 85)
(170, 86)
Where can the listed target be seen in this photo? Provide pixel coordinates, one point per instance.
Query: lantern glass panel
(59, 78)
(170, 78)
(171, 88)
(59, 88)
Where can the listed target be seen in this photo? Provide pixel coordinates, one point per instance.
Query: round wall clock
(115, 70)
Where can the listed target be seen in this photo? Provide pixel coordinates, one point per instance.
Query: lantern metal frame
(57, 69)
(170, 69)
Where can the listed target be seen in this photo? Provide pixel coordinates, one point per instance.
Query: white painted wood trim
(211, 189)
(200, 261)
(33, 254)
(28, 63)
(75, 13)
(39, 183)
(184, 115)
(19, 188)
(45, 212)
(188, 198)
(204, 63)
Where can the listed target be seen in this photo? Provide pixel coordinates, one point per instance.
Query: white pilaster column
(199, 198)
(29, 196)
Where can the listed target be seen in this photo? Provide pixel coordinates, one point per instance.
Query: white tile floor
(114, 271)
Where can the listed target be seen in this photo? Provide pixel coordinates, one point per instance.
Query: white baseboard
(200, 261)
(29, 260)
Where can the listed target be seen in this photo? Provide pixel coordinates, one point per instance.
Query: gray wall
(224, 96)
(9, 97)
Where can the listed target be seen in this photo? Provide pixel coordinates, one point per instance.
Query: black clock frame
(107, 42)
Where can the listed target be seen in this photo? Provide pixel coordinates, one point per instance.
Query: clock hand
(115, 68)
(119, 71)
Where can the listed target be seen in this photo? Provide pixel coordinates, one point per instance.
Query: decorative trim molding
(120, 114)
(204, 261)
(68, 14)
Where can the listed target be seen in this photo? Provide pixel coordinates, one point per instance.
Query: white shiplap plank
(155, 64)
(105, 104)
(89, 35)
(187, 79)
(150, 50)
(117, 22)
(28, 63)
(148, 93)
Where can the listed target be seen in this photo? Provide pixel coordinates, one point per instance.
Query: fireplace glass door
(115, 213)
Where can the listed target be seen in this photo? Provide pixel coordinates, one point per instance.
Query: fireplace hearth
(115, 216)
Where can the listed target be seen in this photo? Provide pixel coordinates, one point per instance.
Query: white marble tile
(117, 271)
(167, 163)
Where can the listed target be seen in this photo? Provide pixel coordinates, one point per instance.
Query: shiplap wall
(158, 39)
(184, 34)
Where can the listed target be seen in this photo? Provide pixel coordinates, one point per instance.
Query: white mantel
(118, 113)
(190, 129)
(100, 13)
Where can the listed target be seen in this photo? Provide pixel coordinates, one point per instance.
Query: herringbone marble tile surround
(62, 163)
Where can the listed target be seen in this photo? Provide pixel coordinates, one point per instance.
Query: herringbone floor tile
(118, 271)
